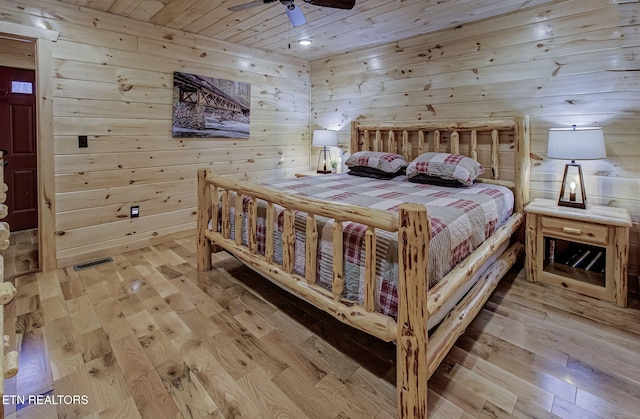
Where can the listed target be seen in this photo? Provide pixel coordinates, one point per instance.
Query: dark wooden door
(18, 139)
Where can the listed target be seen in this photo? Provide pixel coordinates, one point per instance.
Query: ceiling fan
(295, 15)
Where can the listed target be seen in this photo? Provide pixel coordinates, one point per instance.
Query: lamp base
(571, 205)
(572, 193)
(324, 160)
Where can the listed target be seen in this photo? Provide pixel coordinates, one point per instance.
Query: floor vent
(88, 265)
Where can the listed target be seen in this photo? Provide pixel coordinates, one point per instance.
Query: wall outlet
(83, 142)
(135, 211)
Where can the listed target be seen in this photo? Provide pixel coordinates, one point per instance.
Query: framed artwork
(206, 107)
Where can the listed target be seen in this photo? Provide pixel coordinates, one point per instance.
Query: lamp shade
(324, 138)
(576, 144)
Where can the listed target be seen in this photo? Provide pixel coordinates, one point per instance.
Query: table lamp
(575, 144)
(324, 138)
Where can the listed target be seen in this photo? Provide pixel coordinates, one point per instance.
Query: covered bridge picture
(210, 107)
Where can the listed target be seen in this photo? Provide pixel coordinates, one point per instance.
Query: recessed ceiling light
(304, 42)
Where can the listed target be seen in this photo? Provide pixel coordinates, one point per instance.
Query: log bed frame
(418, 354)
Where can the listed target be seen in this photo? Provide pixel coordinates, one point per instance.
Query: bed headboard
(502, 145)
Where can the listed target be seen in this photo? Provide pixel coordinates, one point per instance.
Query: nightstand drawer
(575, 230)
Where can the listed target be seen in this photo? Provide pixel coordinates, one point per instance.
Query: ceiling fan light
(305, 42)
(296, 17)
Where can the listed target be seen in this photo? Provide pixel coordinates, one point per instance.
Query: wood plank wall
(17, 53)
(564, 63)
(113, 83)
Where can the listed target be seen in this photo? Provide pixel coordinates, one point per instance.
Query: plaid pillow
(386, 162)
(446, 166)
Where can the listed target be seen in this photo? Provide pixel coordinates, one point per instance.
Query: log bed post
(522, 168)
(523, 163)
(204, 215)
(414, 233)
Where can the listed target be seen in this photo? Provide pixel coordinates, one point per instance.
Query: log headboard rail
(411, 140)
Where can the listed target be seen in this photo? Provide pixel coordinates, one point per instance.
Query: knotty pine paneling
(568, 62)
(17, 53)
(370, 22)
(112, 81)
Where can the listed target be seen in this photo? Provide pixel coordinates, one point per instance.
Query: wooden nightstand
(585, 251)
(310, 174)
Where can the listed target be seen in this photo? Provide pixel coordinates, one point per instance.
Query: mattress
(461, 219)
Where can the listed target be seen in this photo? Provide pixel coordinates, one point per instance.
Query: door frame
(43, 39)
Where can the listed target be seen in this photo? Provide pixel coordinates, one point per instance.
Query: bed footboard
(224, 198)
(221, 197)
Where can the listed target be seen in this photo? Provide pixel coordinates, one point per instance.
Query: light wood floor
(147, 336)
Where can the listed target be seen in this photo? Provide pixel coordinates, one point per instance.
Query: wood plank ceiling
(332, 31)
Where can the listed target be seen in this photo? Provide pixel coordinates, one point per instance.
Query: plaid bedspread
(461, 219)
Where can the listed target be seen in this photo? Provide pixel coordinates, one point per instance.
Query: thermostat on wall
(135, 211)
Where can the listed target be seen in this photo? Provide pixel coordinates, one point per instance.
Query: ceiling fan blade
(249, 5)
(295, 15)
(336, 4)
